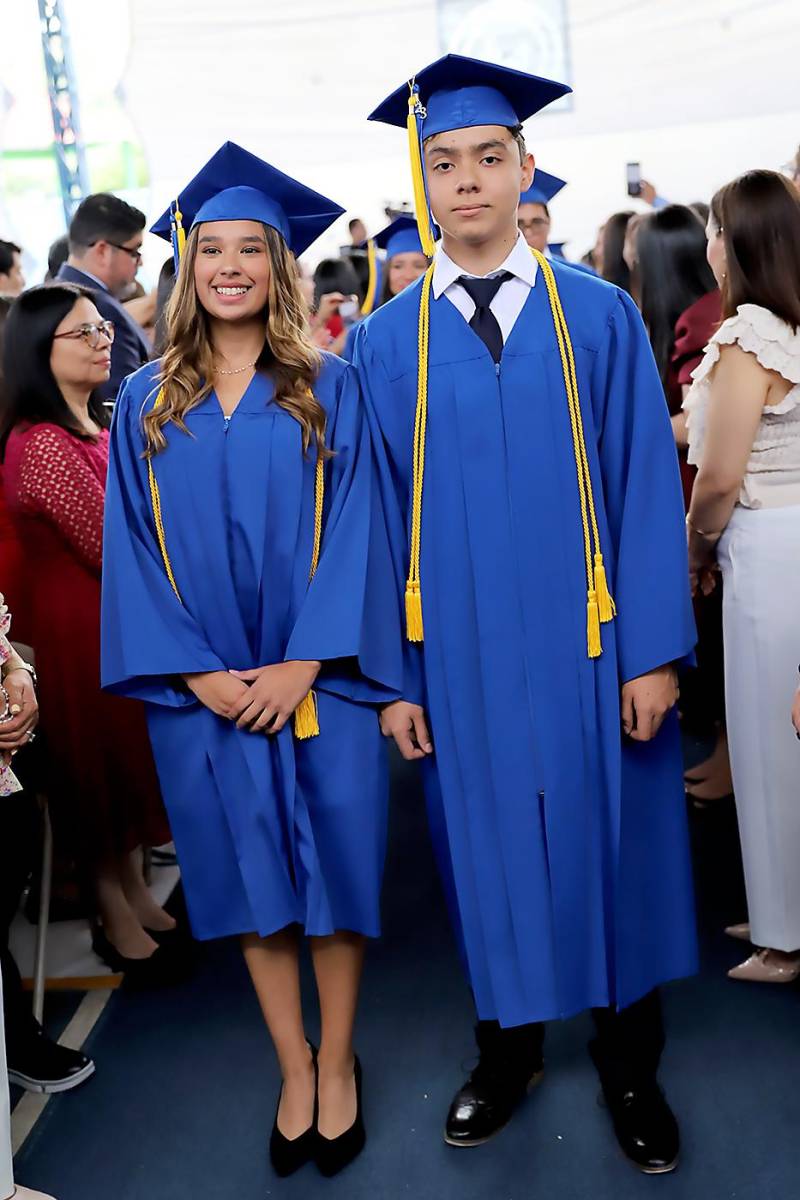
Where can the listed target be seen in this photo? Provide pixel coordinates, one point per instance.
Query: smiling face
(474, 181)
(74, 363)
(232, 269)
(404, 269)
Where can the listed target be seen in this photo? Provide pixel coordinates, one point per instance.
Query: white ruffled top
(772, 478)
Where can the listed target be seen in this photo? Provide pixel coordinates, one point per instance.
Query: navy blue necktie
(482, 292)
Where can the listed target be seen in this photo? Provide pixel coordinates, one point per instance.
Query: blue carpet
(184, 1096)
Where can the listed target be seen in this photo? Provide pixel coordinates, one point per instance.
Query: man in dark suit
(105, 238)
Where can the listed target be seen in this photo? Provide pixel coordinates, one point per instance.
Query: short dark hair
(30, 389)
(759, 215)
(57, 255)
(7, 252)
(336, 275)
(352, 224)
(104, 218)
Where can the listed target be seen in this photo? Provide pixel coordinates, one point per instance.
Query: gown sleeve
(379, 400)
(148, 638)
(56, 484)
(644, 504)
(349, 618)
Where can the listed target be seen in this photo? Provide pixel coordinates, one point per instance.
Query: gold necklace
(237, 370)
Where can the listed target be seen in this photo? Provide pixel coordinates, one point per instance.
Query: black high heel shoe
(161, 969)
(334, 1154)
(288, 1155)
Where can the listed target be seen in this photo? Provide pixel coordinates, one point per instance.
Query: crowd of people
(334, 397)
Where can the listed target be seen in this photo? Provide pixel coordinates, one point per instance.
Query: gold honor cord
(306, 723)
(372, 286)
(415, 111)
(600, 607)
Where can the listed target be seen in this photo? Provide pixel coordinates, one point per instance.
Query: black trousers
(626, 1048)
(19, 837)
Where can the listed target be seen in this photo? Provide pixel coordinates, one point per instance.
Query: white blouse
(772, 478)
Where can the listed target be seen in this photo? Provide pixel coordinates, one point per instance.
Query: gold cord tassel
(306, 721)
(414, 628)
(416, 110)
(593, 643)
(605, 602)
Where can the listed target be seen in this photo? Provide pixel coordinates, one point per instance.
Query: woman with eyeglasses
(102, 783)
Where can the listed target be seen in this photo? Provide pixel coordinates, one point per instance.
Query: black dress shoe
(509, 1067)
(162, 968)
(332, 1155)
(288, 1155)
(38, 1064)
(645, 1126)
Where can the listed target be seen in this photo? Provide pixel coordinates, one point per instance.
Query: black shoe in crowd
(169, 964)
(288, 1155)
(645, 1126)
(510, 1066)
(38, 1064)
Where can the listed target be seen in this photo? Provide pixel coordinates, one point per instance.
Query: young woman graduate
(240, 469)
(523, 421)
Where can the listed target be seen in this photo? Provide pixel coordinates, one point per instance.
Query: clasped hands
(262, 699)
(645, 704)
(17, 731)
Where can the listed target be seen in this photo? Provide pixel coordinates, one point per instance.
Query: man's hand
(273, 694)
(406, 724)
(218, 691)
(16, 732)
(646, 702)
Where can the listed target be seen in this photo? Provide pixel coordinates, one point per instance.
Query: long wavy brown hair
(289, 357)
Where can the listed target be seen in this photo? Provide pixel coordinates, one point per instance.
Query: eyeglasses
(91, 334)
(534, 223)
(136, 255)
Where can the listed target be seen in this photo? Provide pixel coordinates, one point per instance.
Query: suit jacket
(131, 348)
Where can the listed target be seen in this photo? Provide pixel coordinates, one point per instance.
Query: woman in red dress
(54, 442)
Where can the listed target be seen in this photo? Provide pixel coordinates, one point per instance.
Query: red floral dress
(101, 777)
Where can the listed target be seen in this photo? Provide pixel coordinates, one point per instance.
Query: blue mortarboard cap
(401, 237)
(543, 188)
(235, 185)
(556, 248)
(459, 93)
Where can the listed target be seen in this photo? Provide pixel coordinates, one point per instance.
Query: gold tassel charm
(605, 601)
(306, 720)
(593, 642)
(414, 629)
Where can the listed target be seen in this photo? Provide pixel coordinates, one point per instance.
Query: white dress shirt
(511, 295)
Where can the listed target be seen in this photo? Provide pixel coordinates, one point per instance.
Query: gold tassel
(306, 721)
(594, 644)
(414, 630)
(605, 601)
(372, 286)
(418, 177)
(181, 232)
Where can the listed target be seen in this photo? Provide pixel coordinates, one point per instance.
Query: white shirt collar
(520, 262)
(89, 275)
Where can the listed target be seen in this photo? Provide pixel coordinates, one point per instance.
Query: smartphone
(634, 173)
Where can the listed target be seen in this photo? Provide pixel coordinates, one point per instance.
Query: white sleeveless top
(772, 478)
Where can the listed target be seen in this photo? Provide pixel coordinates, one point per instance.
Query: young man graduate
(532, 477)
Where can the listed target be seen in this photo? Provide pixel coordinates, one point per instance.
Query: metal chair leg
(40, 969)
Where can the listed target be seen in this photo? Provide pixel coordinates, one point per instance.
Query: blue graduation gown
(563, 848)
(269, 831)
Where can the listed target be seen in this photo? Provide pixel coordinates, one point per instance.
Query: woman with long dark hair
(610, 262)
(246, 567)
(743, 419)
(54, 441)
